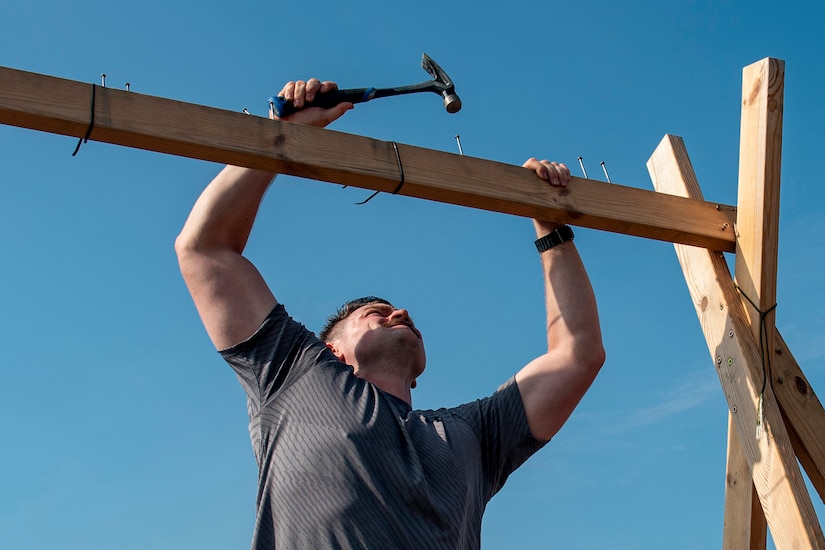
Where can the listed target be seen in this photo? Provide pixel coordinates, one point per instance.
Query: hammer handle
(284, 108)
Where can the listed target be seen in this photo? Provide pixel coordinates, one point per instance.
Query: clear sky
(122, 428)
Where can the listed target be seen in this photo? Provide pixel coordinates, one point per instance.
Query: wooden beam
(61, 106)
(757, 228)
(757, 221)
(745, 527)
(774, 470)
(802, 411)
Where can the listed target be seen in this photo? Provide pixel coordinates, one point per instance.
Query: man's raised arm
(553, 384)
(231, 296)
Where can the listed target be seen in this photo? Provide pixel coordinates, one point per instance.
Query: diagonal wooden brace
(775, 472)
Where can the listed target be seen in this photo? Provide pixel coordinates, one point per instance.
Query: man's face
(377, 331)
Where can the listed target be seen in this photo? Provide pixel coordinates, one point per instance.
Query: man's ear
(414, 384)
(335, 351)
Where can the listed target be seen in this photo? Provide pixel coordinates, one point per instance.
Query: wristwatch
(562, 234)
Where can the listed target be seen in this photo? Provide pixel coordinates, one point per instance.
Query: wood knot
(801, 385)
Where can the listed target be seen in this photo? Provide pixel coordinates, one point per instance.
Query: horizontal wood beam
(60, 106)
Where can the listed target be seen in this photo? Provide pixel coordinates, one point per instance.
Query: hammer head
(442, 83)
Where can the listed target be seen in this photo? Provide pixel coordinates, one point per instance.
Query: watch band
(562, 234)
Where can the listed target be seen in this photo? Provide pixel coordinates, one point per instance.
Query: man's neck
(388, 382)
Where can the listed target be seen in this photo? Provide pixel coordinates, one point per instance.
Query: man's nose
(401, 314)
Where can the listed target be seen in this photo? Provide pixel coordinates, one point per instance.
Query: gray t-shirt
(343, 464)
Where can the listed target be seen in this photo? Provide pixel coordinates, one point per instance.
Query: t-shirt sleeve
(500, 423)
(279, 352)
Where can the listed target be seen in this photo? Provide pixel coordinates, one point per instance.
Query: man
(343, 460)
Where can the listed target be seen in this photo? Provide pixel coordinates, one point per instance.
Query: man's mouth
(412, 328)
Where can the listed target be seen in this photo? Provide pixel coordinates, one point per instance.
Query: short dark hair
(345, 311)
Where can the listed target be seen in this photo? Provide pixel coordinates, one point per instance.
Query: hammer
(440, 84)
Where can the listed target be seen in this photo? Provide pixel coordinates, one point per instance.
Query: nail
(581, 163)
(458, 140)
(103, 80)
(605, 172)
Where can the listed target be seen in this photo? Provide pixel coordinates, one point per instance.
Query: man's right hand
(301, 92)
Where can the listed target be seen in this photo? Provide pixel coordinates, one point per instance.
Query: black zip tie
(400, 183)
(85, 138)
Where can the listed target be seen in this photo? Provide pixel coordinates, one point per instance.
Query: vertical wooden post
(757, 214)
(745, 526)
(757, 243)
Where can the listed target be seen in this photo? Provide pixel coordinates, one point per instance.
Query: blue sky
(121, 427)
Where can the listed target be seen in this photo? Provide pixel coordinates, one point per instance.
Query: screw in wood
(128, 86)
(103, 80)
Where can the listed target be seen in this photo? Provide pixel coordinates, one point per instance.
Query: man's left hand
(556, 174)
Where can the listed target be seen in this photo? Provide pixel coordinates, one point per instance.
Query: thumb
(334, 113)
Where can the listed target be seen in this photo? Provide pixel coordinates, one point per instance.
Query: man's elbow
(189, 252)
(591, 355)
(184, 243)
(191, 242)
(598, 354)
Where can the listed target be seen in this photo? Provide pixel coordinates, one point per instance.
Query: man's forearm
(223, 216)
(552, 384)
(572, 315)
